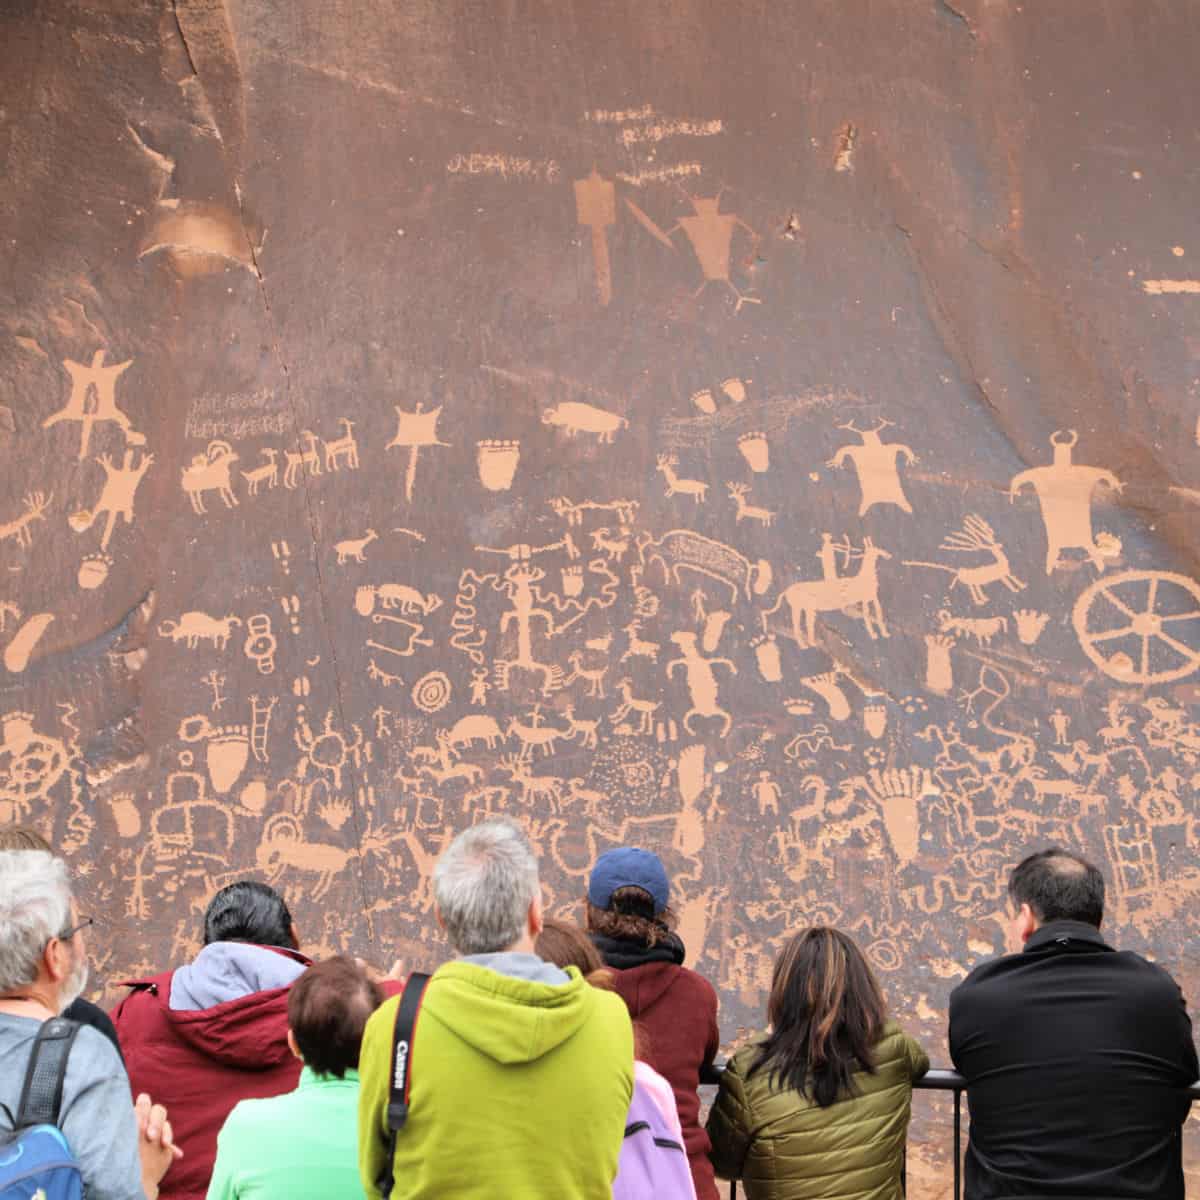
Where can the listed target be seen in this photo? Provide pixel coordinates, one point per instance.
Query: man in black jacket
(1074, 1053)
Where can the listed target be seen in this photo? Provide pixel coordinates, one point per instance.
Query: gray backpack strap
(41, 1094)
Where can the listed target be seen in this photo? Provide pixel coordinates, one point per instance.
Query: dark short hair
(22, 837)
(1058, 885)
(328, 1008)
(249, 911)
(630, 916)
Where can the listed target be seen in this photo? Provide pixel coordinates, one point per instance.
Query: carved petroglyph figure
(414, 431)
(327, 750)
(766, 794)
(535, 735)
(1030, 624)
(431, 693)
(875, 461)
(1156, 637)
(982, 629)
(939, 669)
(93, 398)
(31, 763)
(534, 788)
(645, 709)
(613, 548)
(194, 627)
(267, 473)
(260, 724)
(342, 451)
(18, 529)
(116, 500)
(859, 592)
(395, 595)
(465, 732)
(976, 536)
(746, 511)
(585, 731)
(210, 472)
(696, 488)
(575, 417)
(1064, 491)
(701, 681)
(19, 651)
(354, 548)
(638, 648)
(298, 461)
(626, 510)
(260, 644)
(683, 549)
(226, 749)
(593, 676)
(496, 463)
(710, 233)
(756, 450)
(596, 209)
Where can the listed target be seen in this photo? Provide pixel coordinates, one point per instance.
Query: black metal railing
(937, 1079)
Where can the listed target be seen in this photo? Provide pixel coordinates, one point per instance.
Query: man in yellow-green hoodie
(520, 1073)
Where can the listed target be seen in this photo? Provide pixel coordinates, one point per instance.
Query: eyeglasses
(68, 934)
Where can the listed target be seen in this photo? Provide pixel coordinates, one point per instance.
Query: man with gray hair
(122, 1150)
(520, 1074)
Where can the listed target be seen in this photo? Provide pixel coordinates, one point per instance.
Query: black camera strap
(401, 1073)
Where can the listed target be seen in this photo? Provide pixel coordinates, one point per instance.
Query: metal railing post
(958, 1143)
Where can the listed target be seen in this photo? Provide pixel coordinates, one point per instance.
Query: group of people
(549, 1060)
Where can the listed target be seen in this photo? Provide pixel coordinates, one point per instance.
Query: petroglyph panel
(746, 433)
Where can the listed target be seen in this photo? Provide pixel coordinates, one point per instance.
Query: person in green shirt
(303, 1145)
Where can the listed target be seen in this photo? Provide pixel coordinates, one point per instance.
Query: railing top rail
(936, 1079)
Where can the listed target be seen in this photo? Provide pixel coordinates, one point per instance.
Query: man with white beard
(122, 1150)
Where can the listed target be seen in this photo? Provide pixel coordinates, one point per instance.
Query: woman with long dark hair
(819, 1106)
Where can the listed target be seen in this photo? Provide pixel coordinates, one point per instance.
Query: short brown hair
(328, 1007)
(22, 837)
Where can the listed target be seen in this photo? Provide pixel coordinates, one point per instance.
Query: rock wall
(766, 433)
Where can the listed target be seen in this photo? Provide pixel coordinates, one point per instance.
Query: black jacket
(1074, 1055)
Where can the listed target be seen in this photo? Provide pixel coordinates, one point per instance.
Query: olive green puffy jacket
(785, 1147)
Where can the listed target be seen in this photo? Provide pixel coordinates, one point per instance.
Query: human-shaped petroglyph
(575, 417)
(496, 463)
(210, 472)
(342, 451)
(876, 463)
(1064, 491)
(480, 686)
(354, 549)
(194, 627)
(710, 233)
(766, 794)
(31, 763)
(596, 209)
(18, 529)
(976, 537)
(328, 750)
(1156, 637)
(860, 592)
(116, 499)
(298, 461)
(215, 681)
(747, 511)
(267, 472)
(93, 398)
(701, 680)
(696, 488)
(415, 431)
(1030, 623)
(683, 549)
(645, 709)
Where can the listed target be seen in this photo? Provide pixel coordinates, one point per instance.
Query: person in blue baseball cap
(631, 923)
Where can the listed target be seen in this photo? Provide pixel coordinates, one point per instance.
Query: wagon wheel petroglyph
(1134, 650)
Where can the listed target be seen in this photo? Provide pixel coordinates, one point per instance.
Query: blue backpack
(653, 1164)
(35, 1161)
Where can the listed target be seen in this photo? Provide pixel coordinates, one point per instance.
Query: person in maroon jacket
(632, 926)
(214, 1032)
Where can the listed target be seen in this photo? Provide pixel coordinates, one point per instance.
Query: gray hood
(226, 971)
(519, 966)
